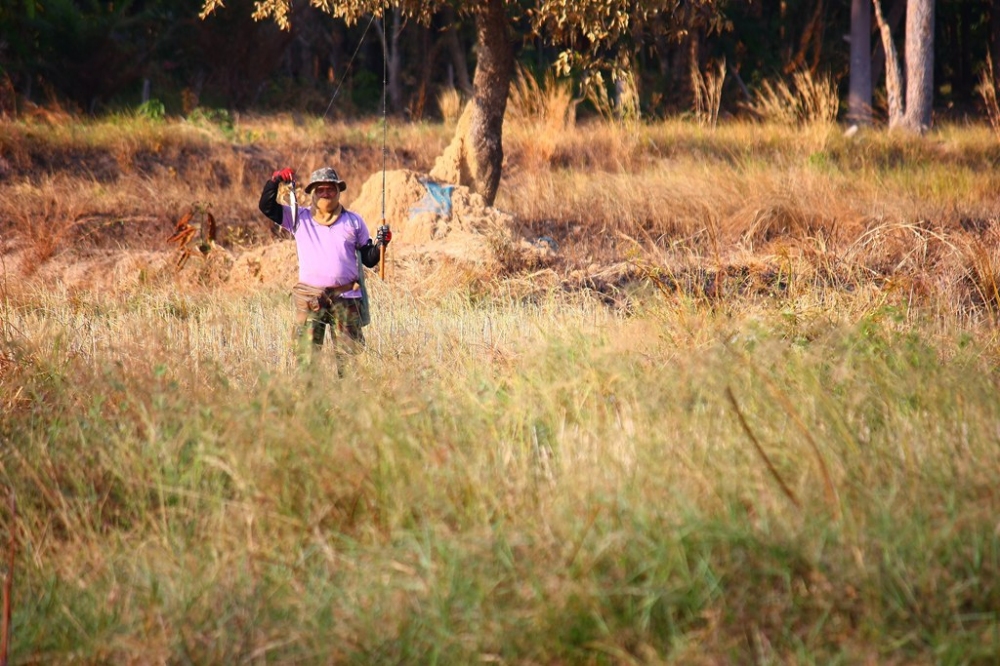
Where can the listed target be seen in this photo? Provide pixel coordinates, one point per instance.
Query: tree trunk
(391, 51)
(919, 64)
(859, 95)
(995, 40)
(811, 40)
(684, 61)
(456, 51)
(897, 10)
(475, 156)
(893, 77)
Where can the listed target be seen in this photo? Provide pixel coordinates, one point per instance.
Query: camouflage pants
(316, 308)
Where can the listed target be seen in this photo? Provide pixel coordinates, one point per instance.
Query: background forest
(97, 57)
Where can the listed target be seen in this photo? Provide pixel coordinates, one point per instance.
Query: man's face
(327, 196)
(326, 191)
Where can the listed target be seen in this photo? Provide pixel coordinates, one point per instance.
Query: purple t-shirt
(327, 253)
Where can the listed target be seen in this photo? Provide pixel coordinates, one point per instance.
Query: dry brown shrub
(595, 146)
(803, 100)
(549, 102)
(44, 221)
(52, 114)
(450, 105)
(980, 272)
(539, 115)
(707, 93)
(14, 155)
(889, 246)
(8, 97)
(778, 219)
(987, 89)
(623, 107)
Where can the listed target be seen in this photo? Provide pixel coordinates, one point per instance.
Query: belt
(308, 297)
(342, 289)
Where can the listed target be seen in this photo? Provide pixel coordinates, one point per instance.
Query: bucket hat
(324, 175)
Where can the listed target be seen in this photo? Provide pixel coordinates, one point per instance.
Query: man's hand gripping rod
(383, 229)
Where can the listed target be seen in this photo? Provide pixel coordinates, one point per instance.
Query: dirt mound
(436, 227)
(272, 264)
(439, 233)
(121, 270)
(431, 218)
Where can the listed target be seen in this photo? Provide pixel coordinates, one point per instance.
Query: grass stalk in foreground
(517, 483)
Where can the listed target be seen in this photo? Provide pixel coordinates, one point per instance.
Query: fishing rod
(384, 229)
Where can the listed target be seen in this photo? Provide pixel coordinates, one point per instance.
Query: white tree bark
(915, 114)
(919, 64)
(893, 76)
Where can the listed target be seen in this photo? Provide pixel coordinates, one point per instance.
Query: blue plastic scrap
(437, 200)
(549, 241)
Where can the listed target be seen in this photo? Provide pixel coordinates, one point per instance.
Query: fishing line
(385, 103)
(348, 68)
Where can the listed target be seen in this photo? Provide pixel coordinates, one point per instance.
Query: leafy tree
(590, 31)
(85, 49)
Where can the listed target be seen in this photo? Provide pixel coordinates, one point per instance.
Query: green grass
(495, 480)
(773, 441)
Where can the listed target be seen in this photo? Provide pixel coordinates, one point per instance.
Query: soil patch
(433, 225)
(430, 218)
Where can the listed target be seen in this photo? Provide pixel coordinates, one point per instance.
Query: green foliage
(220, 119)
(86, 51)
(366, 92)
(152, 109)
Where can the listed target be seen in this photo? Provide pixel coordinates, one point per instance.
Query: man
(329, 241)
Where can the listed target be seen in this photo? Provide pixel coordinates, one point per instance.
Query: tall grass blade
(760, 450)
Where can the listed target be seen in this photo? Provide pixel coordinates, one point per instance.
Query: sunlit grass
(550, 465)
(550, 471)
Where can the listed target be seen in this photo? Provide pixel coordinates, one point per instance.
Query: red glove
(384, 235)
(284, 175)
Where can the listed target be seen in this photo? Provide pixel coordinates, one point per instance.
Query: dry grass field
(690, 393)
